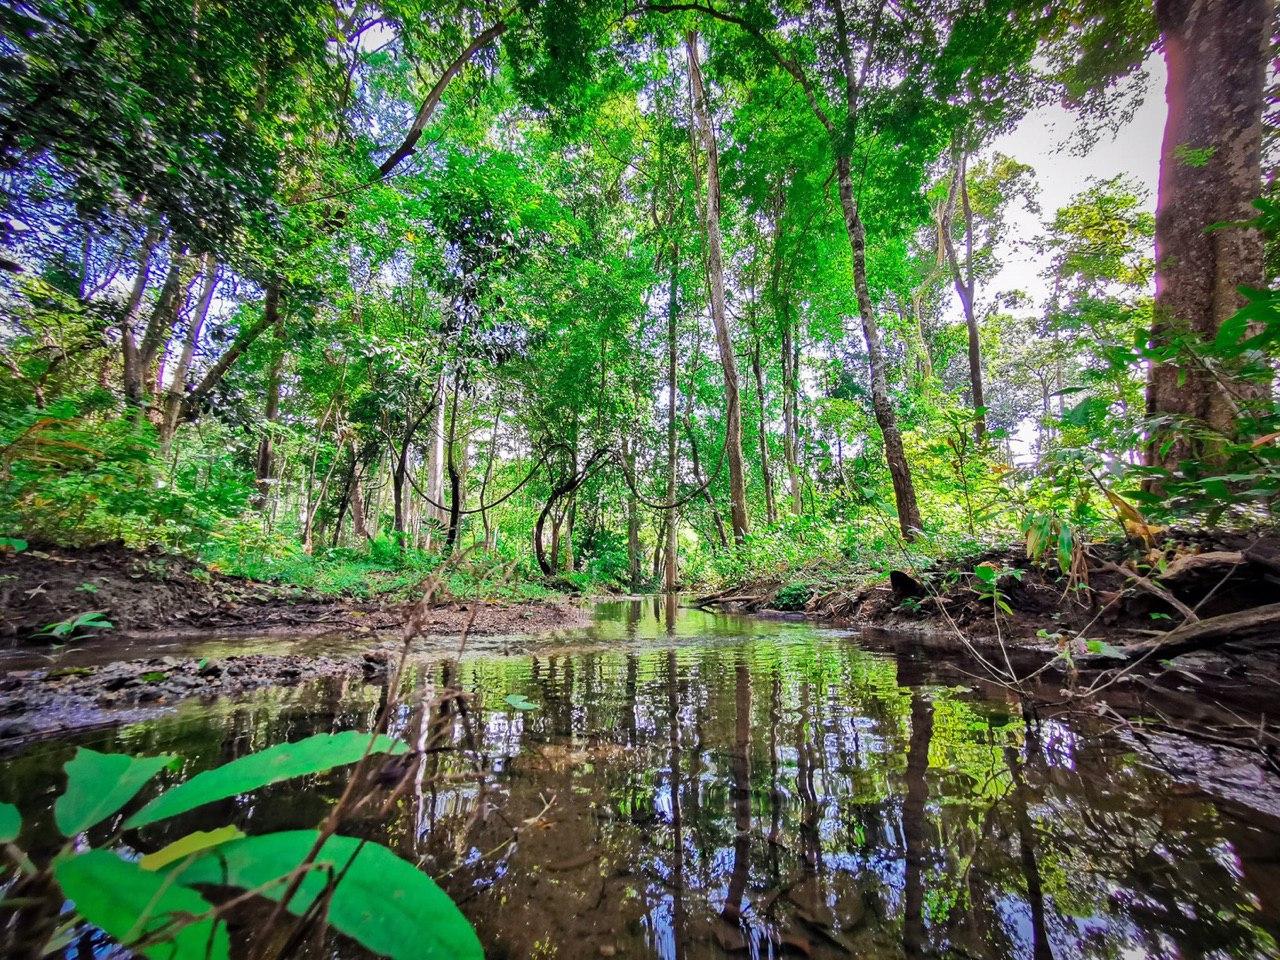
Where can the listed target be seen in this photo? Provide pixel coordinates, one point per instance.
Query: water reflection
(779, 793)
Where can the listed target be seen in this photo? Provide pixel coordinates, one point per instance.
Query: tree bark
(790, 410)
(160, 326)
(1216, 52)
(673, 296)
(962, 279)
(903, 489)
(771, 510)
(633, 520)
(132, 374)
(271, 412)
(178, 380)
(719, 310)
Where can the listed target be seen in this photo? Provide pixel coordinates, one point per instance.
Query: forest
(625, 297)
(332, 328)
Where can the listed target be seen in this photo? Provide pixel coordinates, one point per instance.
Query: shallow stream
(702, 786)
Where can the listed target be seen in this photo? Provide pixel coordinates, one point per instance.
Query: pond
(699, 786)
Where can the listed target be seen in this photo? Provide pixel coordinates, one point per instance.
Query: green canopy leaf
(99, 784)
(381, 901)
(132, 904)
(315, 754)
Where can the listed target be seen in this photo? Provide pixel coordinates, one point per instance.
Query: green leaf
(196, 842)
(381, 901)
(518, 701)
(99, 784)
(130, 904)
(985, 574)
(10, 823)
(315, 754)
(1104, 648)
(1066, 548)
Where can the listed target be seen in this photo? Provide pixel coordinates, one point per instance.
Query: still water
(698, 786)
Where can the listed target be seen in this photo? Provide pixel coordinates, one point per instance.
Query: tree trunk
(1216, 52)
(966, 287)
(633, 519)
(160, 326)
(673, 297)
(698, 478)
(771, 510)
(904, 491)
(132, 373)
(358, 523)
(455, 476)
(178, 381)
(271, 412)
(485, 522)
(790, 410)
(270, 318)
(435, 460)
(719, 310)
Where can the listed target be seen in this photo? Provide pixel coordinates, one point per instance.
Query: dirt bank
(151, 593)
(1198, 611)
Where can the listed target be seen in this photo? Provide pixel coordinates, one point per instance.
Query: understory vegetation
(618, 297)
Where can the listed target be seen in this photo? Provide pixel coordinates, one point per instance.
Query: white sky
(1040, 141)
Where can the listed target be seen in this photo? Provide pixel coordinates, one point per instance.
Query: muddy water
(706, 787)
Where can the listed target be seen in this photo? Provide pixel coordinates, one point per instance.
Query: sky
(1039, 140)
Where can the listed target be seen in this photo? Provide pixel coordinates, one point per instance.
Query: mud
(153, 595)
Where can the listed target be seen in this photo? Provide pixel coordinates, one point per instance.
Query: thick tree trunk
(903, 489)
(719, 310)
(358, 523)
(1216, 52)
(966, 289)
(178, 381)
(399, 477)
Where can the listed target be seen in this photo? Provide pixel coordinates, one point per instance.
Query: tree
(1216, 53)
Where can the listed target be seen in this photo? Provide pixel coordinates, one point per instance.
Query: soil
(57, 699)
(153, 594)
(152, 599)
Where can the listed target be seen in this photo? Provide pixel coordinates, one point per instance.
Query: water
(702, 787)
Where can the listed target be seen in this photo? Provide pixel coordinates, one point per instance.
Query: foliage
(234, 334)
(150, 904)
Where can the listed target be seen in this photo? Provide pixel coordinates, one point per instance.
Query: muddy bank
(1129, 593)
(152, 594)
(68, 695)
(62, 699)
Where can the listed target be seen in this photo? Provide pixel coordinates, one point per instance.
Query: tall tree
(716, 283)
(1216, 53)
